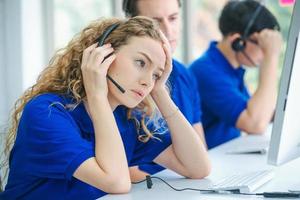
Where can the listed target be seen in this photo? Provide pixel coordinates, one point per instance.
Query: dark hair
(130, 7)
(236, 15)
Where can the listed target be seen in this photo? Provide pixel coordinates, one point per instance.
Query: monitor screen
(285, 139)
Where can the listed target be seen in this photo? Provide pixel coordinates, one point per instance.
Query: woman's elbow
(122, 187)
(202, 173)
(118, 185)
(199, 175)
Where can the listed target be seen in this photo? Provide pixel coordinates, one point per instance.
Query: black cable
(149, 184)
(264, 194)
(148, 181)
(181, 189)
(280, 194)
(138, 181)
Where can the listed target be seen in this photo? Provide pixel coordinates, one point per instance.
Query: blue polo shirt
(184, 93)
(54, 139)
(223, 95)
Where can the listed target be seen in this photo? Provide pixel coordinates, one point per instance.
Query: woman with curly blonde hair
(73, 136)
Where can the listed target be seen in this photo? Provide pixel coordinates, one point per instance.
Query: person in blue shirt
(250, 38)
(183, 86)
(67, 143)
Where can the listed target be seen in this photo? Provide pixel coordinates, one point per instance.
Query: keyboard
(243, 183)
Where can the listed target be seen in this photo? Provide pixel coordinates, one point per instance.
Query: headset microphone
(115, 83)
(100, 43)
(249, 58)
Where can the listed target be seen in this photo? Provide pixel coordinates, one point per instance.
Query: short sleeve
(221, 97)
(151, 168)
(146, 152)
(54, 145)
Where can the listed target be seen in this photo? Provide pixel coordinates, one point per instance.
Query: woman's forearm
(187, 144)
(109, 149)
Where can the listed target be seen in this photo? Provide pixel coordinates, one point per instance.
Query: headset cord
(264, 194)
(149, 184)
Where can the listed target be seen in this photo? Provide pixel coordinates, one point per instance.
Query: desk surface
(223, 164)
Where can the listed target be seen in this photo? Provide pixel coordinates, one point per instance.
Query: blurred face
(166, 13)
(253, 51)
(136, 68)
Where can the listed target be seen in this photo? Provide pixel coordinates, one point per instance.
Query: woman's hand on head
(161, 82)
(94, 68)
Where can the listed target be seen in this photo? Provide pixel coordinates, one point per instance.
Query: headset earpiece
(238, 44)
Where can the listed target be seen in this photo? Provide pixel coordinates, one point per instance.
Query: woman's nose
(146, 80)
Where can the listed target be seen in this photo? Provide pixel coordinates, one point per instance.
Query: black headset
(239, 44)
(102, 38)
(101, 41)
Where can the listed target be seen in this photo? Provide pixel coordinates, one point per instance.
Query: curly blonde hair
(63, 73)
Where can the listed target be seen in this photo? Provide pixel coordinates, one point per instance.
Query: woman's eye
(140, 63)
(156, 76)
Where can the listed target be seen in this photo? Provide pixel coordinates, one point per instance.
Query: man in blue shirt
(183, 86)
(251, 38)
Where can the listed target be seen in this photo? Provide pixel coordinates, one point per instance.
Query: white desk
(286, 176)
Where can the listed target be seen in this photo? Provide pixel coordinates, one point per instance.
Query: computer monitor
(285, 138)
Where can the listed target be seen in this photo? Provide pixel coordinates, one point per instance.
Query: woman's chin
(131, 104)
